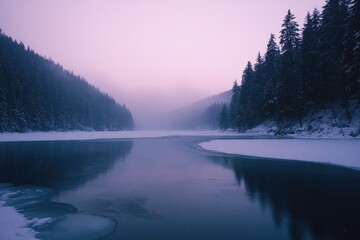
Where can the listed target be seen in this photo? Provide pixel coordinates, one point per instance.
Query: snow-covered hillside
(328, 122)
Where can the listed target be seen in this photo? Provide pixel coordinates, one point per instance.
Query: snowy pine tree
(243, 119)
(351, 54)
(290, 104)
(310, 60)
(331, 49)
(271, 72)
(234, 105)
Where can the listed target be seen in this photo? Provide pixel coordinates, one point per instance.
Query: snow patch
(36, 222)
(330, 122)
(26, 214)
(345, 152)
(13, 225)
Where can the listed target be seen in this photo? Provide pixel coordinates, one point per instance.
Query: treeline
(38, 95)
(311, 68)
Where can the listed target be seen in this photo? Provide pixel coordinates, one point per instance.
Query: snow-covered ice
(345, 152)
(22, 217)
(78, 135)
(13, 225)
(80, 226)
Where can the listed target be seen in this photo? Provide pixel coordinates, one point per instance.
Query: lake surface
(168, 188)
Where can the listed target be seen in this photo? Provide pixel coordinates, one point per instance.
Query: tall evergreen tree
(234, 105)
(289, 34)
(271, 72)
(351, 54)
(256, 100)
(310, 60)
(332, 38)
(243, 118)
(289, 87)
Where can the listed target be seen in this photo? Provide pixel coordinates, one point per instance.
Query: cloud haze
(151, 53)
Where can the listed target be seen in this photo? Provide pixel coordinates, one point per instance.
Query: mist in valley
(156, 58)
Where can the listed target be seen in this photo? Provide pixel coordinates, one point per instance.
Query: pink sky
(151, 51)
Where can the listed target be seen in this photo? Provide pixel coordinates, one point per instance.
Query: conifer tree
(234, 105)
(256, 99)
(243, 118)
(310, 60)
(290, 37)
(351, 54)
(289, 87)
(224, 118)
(332, 38)
(271, 72)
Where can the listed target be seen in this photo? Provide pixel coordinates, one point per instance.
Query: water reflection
(62, 165)
(309, 199)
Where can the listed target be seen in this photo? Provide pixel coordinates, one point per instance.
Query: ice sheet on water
(345, 152)
(27, 213)
(20, 197)
(79, 226)
(13, 225)
(36, 222)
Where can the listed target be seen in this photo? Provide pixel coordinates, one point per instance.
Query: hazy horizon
(152, 57)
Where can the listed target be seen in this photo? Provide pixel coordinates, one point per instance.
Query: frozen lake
(169, 188)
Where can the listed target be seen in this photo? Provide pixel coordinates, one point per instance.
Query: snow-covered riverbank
(345, 152)
(62, 136)
(330, 122)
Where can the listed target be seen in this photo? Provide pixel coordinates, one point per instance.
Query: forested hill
(37, 94)
(203, 114)
(315, 66)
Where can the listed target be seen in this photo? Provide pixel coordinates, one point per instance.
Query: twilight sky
(151, 52)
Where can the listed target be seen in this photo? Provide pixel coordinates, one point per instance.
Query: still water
(168, 188)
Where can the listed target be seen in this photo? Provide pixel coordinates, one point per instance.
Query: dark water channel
(167, 188)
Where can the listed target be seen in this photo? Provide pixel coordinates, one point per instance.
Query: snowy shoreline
(260, 131)
(343, 152)
(329, 122)
(79, 135)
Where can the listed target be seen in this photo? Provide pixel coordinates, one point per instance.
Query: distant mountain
(202, 114)
(37, 94)
(221, 98)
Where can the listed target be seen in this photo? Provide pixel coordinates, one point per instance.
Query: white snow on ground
(53, 136)
(345, 152)
(330, 122)
(14, 225)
